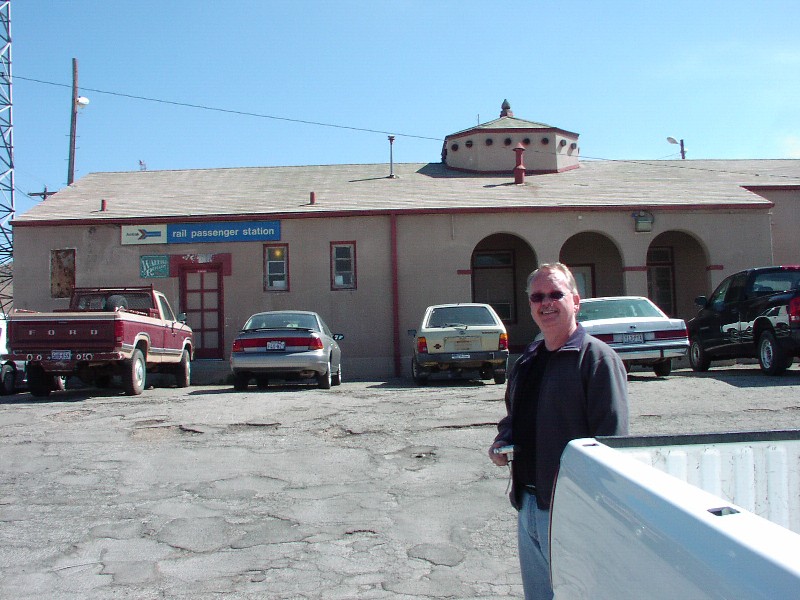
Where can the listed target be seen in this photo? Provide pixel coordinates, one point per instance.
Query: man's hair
(556, 266)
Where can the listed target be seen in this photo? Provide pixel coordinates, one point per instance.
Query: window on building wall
(62, 273)
(343, 265)
(661, 278)
(493, 281)
(276, 267)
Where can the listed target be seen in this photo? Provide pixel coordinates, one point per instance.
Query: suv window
(460, 315)
(718, 297)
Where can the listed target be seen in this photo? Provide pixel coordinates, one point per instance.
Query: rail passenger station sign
(192, 233)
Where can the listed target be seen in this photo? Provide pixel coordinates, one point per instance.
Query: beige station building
(369, 246)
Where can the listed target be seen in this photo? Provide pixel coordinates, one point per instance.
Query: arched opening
(596, 262)
(501, 264)
(676, 273)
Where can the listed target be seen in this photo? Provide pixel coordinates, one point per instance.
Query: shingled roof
(344, 189)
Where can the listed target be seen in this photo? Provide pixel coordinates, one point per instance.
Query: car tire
(337, 378)
(773, 359)
(183, 372)
(324, 380)
(135, 374)
(698, 358)
(40, 384)
(418, 374)
(663, 368)
(241, 381)
(262, 382)
(8, 377)
(499, 377)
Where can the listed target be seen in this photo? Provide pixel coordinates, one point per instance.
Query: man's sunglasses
(538, 297)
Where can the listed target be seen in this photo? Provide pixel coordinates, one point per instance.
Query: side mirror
(182, 318)
(412, 333)
(701, 301)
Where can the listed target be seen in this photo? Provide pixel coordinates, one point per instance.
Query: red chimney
(519, 169)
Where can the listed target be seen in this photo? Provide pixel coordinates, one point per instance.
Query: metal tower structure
(6, 162)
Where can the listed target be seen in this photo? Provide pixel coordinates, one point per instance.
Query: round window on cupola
(489, 141)
(468, 143)
(527, 141)
(507, 141)
(454, 147)
(545, 141)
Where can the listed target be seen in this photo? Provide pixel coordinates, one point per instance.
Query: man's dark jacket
(584, 393)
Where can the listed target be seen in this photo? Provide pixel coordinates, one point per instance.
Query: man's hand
(501, 460)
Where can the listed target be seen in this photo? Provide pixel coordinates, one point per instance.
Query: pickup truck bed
(698, 517)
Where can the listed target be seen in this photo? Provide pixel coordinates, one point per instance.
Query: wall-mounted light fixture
(643, 221)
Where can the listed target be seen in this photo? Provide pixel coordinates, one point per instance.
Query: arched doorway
(596, 263)
(501, 264)
(676, 273)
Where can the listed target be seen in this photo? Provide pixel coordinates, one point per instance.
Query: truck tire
(418, 374)
(134, 374)
(8, 377)
(499, 377)
(325, 380)
(183, 372)
(40, 384)
(663, 368)
(698, 358)
(773, 359)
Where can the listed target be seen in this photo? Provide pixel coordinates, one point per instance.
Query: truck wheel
(135, 374)
(499, 377)
(183, 372)
(772, 358)
(325, 380)
(40, 384)
(8, 376)
(663, 368)
(418, 374)
(698, 357)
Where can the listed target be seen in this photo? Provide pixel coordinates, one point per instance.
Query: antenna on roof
(142, 165)
(391, 158)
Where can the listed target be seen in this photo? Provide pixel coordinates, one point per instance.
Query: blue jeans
(533, 540)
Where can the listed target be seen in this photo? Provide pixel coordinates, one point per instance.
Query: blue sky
(724, 76)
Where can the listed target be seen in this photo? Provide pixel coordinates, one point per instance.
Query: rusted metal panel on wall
(62, 273)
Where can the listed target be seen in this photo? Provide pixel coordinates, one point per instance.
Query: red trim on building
(464, 271)
(715, 268)
(465, 210)
(523, 131)
(398, 366)
(641, 268)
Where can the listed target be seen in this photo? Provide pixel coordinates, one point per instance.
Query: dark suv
(752, 314)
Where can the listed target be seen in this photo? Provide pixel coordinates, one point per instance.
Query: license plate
(632, 338)
(462, 356)
(276, 345)
(61, 355)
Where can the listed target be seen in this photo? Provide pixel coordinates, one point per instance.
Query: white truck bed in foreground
(678, 517)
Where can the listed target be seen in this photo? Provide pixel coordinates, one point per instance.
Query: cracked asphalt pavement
(370, 490)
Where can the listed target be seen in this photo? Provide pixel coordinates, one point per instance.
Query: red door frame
(205, 352)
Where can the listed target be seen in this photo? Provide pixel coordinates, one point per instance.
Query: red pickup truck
(124, 331)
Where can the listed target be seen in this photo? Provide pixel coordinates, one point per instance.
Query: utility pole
(73, 123)
(43, 195)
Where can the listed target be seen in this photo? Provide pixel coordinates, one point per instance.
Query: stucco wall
(434, 254)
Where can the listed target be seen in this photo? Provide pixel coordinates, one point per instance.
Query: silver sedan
(287, 345)
(637, 329)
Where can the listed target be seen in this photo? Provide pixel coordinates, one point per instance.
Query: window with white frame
(276, 267)
(343, 265)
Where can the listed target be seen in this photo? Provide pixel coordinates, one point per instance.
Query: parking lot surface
(370, 490)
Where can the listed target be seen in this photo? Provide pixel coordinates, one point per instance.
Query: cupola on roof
(489, 147)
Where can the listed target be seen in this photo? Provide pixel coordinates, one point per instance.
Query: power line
(234, 112)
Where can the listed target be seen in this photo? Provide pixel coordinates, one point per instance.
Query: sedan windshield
(282, 321)
(617, 309)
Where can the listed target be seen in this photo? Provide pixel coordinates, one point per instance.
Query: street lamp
(672, 140)
(77, 102)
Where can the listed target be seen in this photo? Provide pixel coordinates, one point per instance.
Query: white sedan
(637, 329)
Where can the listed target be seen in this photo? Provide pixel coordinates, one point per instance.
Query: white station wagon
(459, 339)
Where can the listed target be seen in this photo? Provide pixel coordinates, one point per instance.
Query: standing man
(567, 386)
